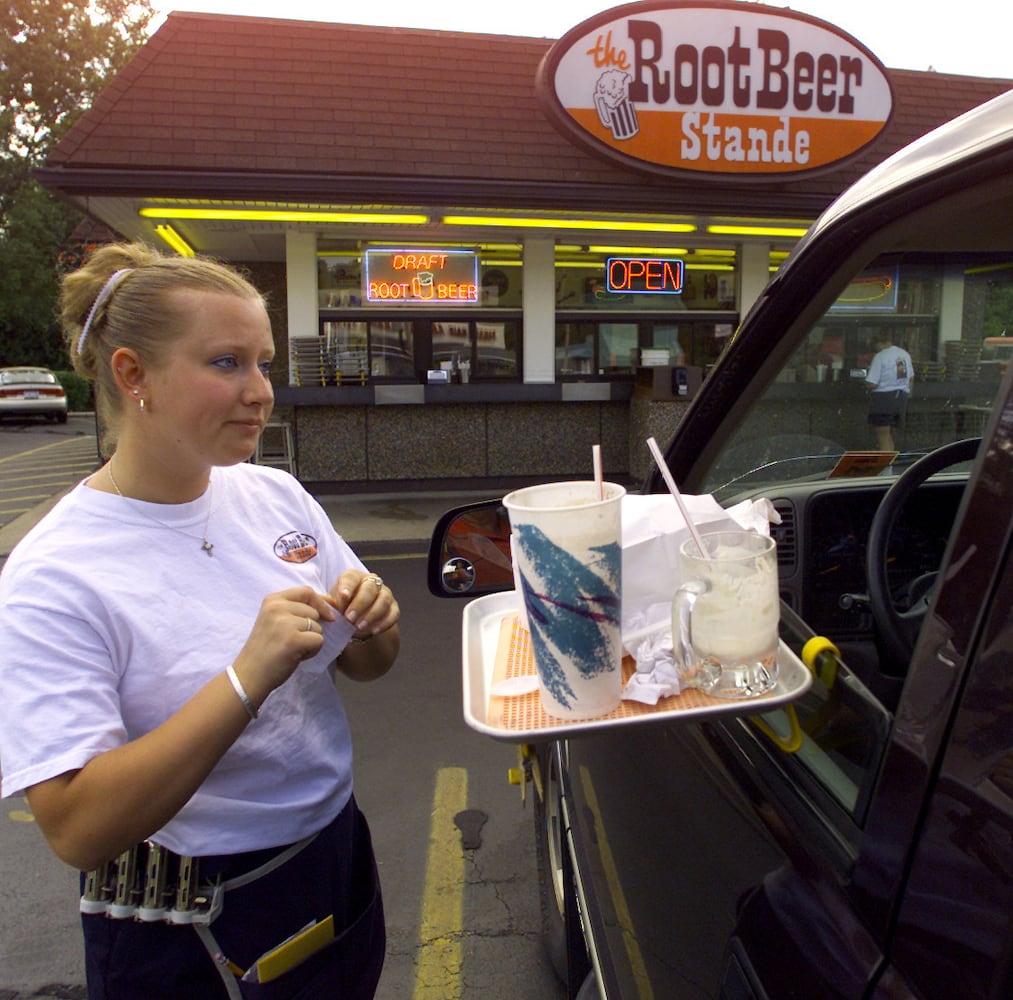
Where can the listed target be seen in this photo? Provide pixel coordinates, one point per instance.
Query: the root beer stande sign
(732, 90)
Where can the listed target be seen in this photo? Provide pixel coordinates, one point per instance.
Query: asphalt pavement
(32, 482)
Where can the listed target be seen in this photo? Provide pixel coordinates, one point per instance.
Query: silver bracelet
(237, 686)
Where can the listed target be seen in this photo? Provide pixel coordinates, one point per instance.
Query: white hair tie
(107, 289)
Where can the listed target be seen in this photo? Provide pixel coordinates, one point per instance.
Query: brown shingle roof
(218, 94)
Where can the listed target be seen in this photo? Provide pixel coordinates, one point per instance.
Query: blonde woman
(172, 632)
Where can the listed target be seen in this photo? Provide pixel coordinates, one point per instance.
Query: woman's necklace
(203, 539)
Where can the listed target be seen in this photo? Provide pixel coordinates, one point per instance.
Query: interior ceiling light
(721, 229)
(283, 215)
(174, 240)
(530, 222)
(640, 251)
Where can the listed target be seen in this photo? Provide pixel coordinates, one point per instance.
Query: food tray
(495, 646)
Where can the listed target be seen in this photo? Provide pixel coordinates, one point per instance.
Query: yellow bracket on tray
(526, 770)
(823, 667)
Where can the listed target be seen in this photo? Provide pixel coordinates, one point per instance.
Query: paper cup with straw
(567, 545)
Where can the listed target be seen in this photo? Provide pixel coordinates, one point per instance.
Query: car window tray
(496, 647)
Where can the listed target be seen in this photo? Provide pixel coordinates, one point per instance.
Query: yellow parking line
(438, 972)
(41, 447)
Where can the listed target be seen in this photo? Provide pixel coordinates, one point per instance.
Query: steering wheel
(899, 629)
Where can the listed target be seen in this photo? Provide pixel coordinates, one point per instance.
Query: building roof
(259, 108)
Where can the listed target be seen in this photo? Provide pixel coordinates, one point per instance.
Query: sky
(964, 37)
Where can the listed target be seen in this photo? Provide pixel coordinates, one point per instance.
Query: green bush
(78, 390)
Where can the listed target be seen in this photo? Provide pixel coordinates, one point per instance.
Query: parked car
(27, 390)
(870, 853)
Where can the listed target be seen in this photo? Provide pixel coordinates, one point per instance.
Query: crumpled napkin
(650, 645)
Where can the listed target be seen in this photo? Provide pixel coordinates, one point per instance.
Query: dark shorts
(335, 874)
(887, 408)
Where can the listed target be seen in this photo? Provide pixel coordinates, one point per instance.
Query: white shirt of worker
(112, 621)
(891, 370)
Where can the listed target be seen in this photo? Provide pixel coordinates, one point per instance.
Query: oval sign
(732, 90)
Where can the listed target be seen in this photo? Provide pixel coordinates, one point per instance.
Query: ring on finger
(375, 579)
(309, 625)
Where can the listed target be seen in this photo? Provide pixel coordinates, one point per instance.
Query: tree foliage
(55, 57)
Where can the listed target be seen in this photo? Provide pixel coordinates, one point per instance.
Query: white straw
(667, 475)
(598, 475)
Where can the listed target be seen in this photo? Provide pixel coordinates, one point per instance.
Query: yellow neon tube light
(174, 240)
(544, 223)
(281, 215)
(783, 231)
(641, 251)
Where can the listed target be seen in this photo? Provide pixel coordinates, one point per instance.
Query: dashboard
(822, 541)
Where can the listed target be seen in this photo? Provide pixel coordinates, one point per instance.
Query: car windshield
(814, 421)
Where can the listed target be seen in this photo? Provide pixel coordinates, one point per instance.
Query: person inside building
(889, 381)
(173, 630)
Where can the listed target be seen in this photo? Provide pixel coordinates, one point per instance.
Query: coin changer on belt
(150, 883)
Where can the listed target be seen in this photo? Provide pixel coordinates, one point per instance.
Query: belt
(150, 883)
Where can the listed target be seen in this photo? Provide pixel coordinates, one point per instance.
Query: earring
(142, 405)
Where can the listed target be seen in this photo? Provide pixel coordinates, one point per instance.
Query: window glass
(346, 351)
(451, 343)
(812, 444)
(497, 349)
(939, 311)
(391, 354)
(575, 348)
(501, 284)
(339, 281)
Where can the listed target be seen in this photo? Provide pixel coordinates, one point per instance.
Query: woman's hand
(287, 631)
(368, 603)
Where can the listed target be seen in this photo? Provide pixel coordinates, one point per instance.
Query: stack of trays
(961, 359)
(310, 361)
(930, 371)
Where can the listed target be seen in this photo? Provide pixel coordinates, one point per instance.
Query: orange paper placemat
(523, 713)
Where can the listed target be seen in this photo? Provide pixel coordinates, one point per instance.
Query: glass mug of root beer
(725, 614)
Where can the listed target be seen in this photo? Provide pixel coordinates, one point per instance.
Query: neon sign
(421, 276)
(644, 275)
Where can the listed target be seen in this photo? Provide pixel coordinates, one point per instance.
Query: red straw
(667, 475)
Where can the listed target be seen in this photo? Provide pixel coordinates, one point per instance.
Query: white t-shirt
(891, 369)
(111, 622)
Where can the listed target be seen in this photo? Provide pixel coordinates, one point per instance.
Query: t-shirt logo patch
(296, 547)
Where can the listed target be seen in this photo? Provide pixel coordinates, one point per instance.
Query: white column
(951, 306)
(301, 284)
(539, 310)
(754, 273)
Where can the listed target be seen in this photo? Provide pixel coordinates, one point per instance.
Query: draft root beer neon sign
(423, 276)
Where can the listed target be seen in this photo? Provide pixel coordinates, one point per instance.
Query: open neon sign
(423, 276)
(645, 275)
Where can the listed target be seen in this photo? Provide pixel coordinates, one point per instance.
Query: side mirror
(469, 552)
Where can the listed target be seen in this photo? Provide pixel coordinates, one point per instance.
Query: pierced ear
(128, 371)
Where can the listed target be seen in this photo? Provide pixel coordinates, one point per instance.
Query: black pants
(335, 874)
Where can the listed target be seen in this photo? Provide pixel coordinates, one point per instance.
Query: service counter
(468, 436)
(375, 436)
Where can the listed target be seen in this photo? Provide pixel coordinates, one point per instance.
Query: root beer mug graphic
(615, 110)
